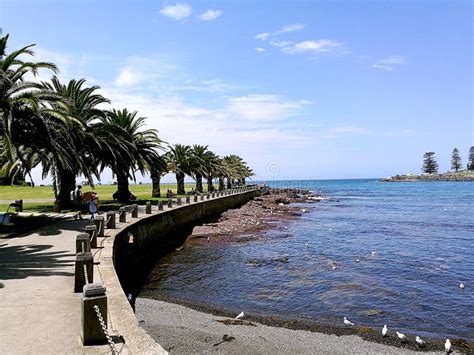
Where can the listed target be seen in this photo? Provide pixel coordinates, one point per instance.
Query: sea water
(378, 253)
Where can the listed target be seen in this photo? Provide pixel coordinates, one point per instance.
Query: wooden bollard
(148, 207)
(195, 198)
(178, 201)
(188, 199)
(134, 211)
(91, 329)
(83, 243)
(100, 223)
(111, 220)
(170, 203)
(122, 215)
(79, 279)
(91, 231)
(160, 206)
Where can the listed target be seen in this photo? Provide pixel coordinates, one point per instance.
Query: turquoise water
(414, 242)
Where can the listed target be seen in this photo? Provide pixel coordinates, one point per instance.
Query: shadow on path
(22, 261)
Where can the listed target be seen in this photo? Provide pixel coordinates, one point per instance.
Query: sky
(298, 89)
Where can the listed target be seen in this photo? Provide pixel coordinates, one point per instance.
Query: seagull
(307, 245)
(208, 239)
(374, 253)
(357, 260)
(241, 315)
(420, 341)
(461, 286)
(384, 330)
(347, 321)
(334, 267)
(447, 346)
(401, 336)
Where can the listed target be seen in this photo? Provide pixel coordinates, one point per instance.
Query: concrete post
(213, 195)
(179, 201)
(195, 198)
(100, 223)
(79, 280)
(170, 203)
(91, 329)
(122, 215)
(135, 211)
(208, 196)
(148, 208)
(111, 220)
(188, 199)
(83, 243)
(91, 230)
(202, 197)
(160, 206)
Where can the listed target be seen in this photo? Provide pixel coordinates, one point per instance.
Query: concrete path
(39, 311)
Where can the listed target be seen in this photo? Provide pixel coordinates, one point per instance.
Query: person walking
(76, 196)
(93, 205)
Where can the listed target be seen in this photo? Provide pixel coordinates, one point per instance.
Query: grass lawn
(105, 191)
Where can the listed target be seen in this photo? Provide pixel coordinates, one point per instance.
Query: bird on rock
(421, 343)
(447, 346)
(347, 321)
(384, 330)
(401, 336)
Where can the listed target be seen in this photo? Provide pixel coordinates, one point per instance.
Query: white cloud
(260, 49)
(401, 133)
(210, 15)
(263, 108)
(280, 44)
(318, 46)
(139, 70)
(289, 28)
(262, 36)
(177, 12)
(339, 131)
(389, 63)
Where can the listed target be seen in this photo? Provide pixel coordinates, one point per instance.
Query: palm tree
(20, 104)
(236, 169)
(81, 105)
(202, 154)
(182, 162)
(138, 148)
(212, 168)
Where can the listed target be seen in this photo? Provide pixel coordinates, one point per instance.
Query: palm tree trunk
(221, 184)
(67, 183)
(199, 183)
(210, 186)
(123, 188)
(243, 181)
(180, 183)
(229, 183)
(155, 183)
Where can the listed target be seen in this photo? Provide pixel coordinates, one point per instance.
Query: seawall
(129, 251)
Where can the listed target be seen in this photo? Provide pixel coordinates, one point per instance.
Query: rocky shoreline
(245, 223)
(462, 176)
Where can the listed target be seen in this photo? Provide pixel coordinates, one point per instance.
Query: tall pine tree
(470, 162)
(455, 160)
(430, 166)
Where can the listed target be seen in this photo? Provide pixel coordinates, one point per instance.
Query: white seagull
(240, 315)
(357, 260)
(401, 336)
(461, 286)
(347, 321)
(384, 330)
(420, 341)
(374, 253)
(447, 346)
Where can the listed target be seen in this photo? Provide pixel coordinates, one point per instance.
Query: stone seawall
(128, 253)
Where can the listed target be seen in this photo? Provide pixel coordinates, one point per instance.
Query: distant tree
(470, 162)
(455, 160)
(430, 166)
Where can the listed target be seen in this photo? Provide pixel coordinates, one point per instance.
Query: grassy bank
(459, 176)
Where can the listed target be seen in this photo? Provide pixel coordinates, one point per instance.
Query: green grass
(105, 191)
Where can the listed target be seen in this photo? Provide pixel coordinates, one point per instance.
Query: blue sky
(299, 89)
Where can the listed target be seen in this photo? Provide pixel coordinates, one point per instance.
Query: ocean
(378, 253)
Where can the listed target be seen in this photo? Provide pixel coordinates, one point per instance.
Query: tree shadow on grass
(22, 261)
